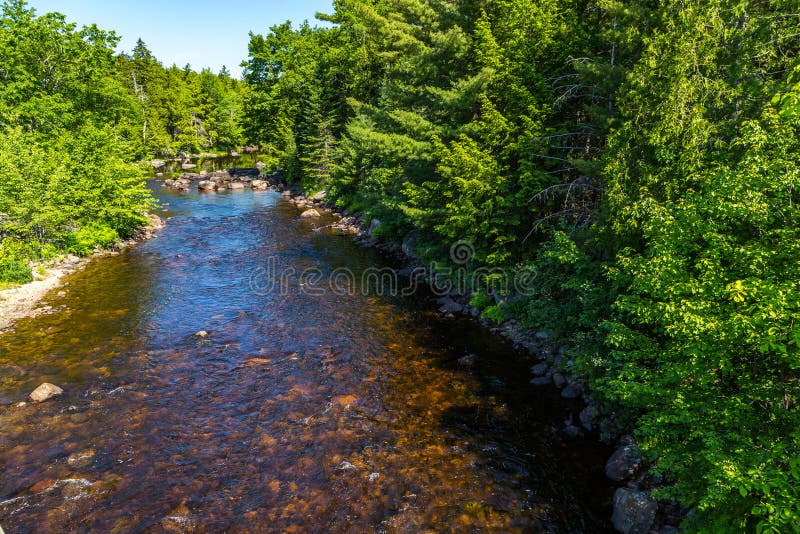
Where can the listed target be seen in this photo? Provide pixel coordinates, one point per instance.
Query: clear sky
(200, 32)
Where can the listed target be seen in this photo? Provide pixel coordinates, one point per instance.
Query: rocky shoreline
(22, 301)
(635, 511)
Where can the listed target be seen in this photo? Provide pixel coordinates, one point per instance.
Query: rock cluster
(233, 179)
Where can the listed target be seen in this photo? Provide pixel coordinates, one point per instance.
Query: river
(300, 411)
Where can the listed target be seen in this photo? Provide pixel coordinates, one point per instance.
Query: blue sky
(201, 32)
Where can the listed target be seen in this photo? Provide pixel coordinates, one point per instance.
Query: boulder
(634, 511)
(260, 164)
(206, 185)
(203, 173)
(236, 186)
(540, 369)
(308, 214)
(559, 380)
(448, 305)
(588, 417)
(188, 166)
(157, 163)
(541, 380)
(572, 391)
(260, 185)
(45, 392)
(623, 463)
(319, 197)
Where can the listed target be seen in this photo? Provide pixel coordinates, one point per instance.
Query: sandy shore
(22, 301)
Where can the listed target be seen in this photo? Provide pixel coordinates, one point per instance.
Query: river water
(301, 411)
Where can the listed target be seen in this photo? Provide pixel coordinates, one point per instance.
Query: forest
(75, 117)
(640, 158)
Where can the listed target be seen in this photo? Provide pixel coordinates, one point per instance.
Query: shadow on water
(298, 412)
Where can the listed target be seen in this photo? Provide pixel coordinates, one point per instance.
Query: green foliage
(85, 240)
(494, 313)
(66, 183)
(639, 157)
(481, 300)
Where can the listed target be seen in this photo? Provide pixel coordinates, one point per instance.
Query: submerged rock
(308, 214)
(634, 511)
(82, 459)
(45, 392)
(201, 334)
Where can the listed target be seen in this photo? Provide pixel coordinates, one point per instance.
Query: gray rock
(559, 380)
(572, 391)
(448, 305)
(543, 336)
(202, 334)
(588, 416)
(541, 380)
(157, 163)
(236, 186)
(206, 185)
(623, 463)
(259, 185)
(308, 214)
(260, 164)
(45, 392)
(634, 511)
(540, 369)
(319, 197)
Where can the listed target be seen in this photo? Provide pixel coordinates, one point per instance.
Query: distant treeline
(640, 157)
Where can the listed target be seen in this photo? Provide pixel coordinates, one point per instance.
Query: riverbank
(634, 509)
(22, 301)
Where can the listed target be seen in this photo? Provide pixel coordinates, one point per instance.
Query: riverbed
(298, 408)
